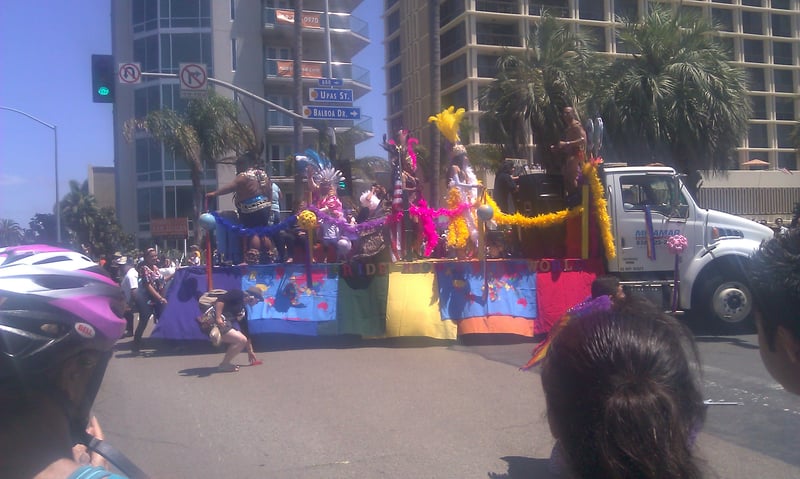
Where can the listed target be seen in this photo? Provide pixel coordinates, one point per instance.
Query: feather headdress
(448, 122)
(328, 176)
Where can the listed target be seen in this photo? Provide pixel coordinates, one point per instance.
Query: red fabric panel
(557, 291)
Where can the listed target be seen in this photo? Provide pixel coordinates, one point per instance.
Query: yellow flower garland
(457, 233)
(600, 209)
(539, 221)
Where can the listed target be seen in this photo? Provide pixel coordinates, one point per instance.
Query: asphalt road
(346, 408)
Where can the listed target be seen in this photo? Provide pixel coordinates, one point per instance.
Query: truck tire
(728, 304)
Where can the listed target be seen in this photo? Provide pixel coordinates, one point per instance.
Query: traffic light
(104, 76)
(345, 186)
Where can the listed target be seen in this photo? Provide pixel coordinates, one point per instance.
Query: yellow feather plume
(447, 122)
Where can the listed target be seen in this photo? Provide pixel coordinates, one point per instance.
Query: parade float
(414, 270)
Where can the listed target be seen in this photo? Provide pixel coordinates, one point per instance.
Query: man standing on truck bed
(573, 147)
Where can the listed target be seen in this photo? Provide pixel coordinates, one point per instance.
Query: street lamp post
(55, 149)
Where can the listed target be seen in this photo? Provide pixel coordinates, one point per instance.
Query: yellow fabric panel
(412, 307)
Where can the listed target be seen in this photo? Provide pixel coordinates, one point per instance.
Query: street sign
(194, 80)
(169, 227)
(330, 94)
(331, 112)
(330, 82)
(129, 73)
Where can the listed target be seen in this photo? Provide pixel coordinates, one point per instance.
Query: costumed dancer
(464, 185)
(573, 148)
(252, 190)
(324, 183)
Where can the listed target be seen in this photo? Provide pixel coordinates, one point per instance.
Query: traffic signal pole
(236, 89)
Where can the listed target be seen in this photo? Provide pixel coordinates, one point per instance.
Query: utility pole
(297, 76)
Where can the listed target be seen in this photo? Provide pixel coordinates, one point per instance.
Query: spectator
(228, 308)
(622, 396)
(152, 294)
(779, 228)
(775, 282)
(46, 394)
(194, 258)
(129, 284)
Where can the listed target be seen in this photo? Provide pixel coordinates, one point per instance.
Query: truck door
(641, 244)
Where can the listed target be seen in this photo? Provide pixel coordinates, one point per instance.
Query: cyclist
(60, 316)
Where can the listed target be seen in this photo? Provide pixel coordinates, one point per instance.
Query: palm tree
(79, 212)
(532, 87)
(208, 130)
(677, 99)
(11, 233)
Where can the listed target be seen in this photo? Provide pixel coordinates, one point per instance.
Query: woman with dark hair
(151, 292)
(622, 394)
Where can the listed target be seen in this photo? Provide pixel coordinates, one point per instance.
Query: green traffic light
(103, 90)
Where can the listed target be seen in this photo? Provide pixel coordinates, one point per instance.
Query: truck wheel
(729, 304)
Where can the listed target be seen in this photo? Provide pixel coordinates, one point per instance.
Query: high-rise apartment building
(249, 44)
(763, 37)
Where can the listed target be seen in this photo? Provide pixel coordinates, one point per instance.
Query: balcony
(498, 35)
(555, 8)
(498, 6)
(354, 76)
(349, 34)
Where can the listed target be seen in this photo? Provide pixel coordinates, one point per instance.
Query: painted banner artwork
(510, 291)
(287, 295)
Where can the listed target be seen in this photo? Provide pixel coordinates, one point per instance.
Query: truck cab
(648, 205)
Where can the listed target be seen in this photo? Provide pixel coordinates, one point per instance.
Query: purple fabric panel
(179, 320)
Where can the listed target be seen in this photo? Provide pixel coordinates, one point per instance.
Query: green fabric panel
(361, 305)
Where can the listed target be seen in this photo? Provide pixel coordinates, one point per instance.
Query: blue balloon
(207, 221)
(485, 212)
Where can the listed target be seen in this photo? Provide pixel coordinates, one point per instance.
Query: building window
(278, 166)
(753, 51)
(784, 108)
(145, 52)
(784, 81)
(179, 48)
(396, 101)
(185, 13)
(145, 100)
(592, 10)
(148, 160)
(392, 22)
(782, 4)
(751, 23)
(498, 34)
(145, 15)
(556, 8)
(787, 160)
(233, 54)
(487, 66)
(781, 25)
(723, 17)
(454, 71)
(782, 53)
(759, 106)
(758, 136)
(784, 133)
(449, 10)
(150, 204)
(597, 36)
(277, 117)
(395, 75)
(626, 9)
(453, 39)
(394, 48)
(755, 77)
(457, 98)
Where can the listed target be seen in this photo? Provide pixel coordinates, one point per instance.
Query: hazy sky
(45, 71)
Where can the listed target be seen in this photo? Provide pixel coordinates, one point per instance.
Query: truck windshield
(661, 193)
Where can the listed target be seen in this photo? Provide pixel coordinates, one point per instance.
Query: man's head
(568, 115)
(607, 285)
(775, 282)
(779, 222)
